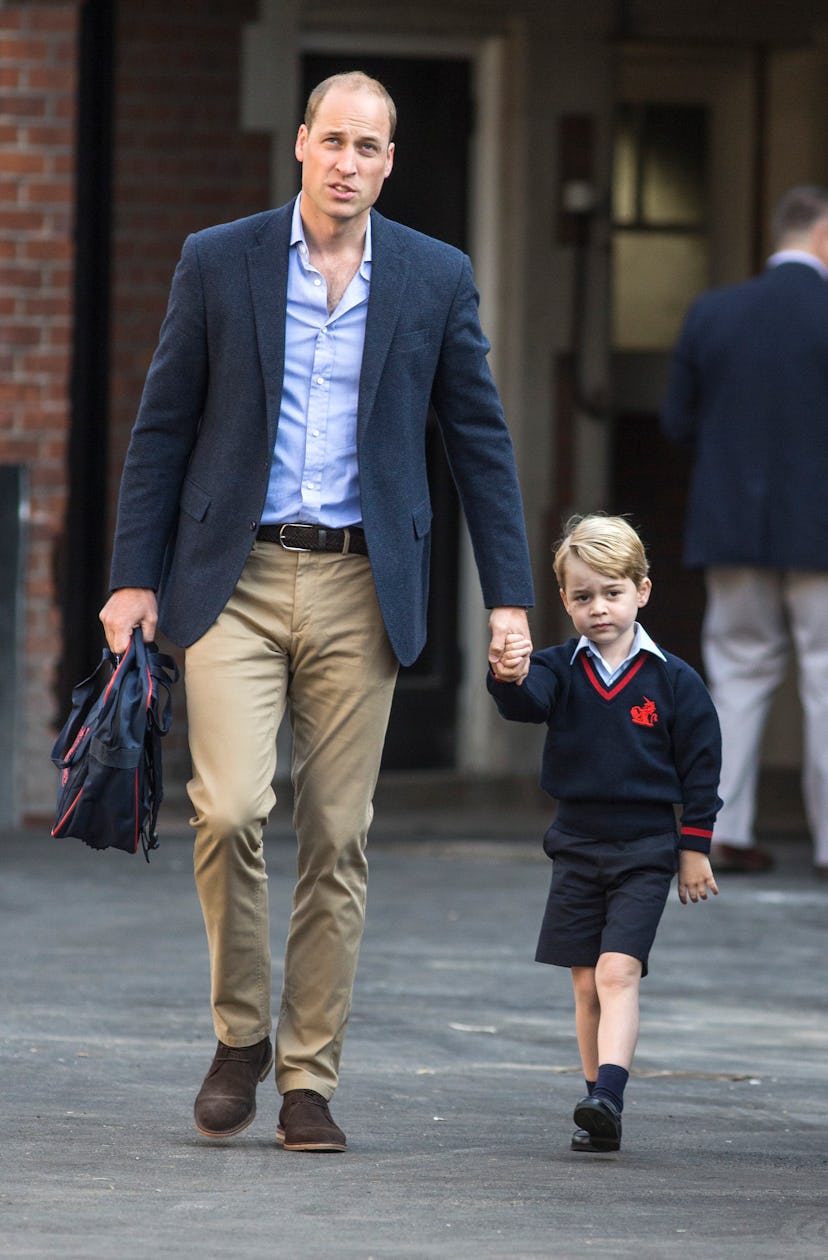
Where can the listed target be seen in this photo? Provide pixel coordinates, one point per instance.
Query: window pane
(625, 166)
(673, 165)
(656, 275)
(660, 165)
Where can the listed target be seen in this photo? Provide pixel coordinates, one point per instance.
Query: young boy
(631, 731)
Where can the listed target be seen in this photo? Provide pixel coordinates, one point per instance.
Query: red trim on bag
(115, 674)
(60, 823)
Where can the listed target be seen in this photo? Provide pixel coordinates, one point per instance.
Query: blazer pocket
(194, 500)
(421, 516)
(407, 343)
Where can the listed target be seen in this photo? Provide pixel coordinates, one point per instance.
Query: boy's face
(603, 608)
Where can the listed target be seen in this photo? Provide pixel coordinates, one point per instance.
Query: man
(275, 495)
(749, 391)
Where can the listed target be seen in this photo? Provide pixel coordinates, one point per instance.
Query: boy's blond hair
(608, 544)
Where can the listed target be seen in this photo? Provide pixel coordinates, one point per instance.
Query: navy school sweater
(617, 759)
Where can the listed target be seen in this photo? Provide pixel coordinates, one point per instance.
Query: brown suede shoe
(306, 1124)
(226, 1102)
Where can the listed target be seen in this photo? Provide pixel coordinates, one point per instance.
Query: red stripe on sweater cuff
(697, 831)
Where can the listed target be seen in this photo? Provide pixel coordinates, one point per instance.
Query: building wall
(192, 147)
(37, 174)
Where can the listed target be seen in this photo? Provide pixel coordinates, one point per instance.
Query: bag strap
(84, 696)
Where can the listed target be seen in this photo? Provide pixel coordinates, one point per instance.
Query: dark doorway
(427, 190)
(81, 572)
(649, 485)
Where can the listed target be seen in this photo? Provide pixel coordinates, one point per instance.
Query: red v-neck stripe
(622, 681)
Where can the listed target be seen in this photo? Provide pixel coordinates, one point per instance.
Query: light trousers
(303, 632)
(752, 619)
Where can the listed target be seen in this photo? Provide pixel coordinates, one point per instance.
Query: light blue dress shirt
(314, 476)
(641, 643)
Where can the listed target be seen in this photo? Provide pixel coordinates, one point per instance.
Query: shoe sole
(319, 1147)
(240, 1128)
(597, 1147)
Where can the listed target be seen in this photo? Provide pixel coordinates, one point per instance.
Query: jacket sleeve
(164, 433)
(697, 745)
(680, 407)
(479, 450)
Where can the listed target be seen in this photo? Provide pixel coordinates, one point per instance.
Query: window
(659, 206)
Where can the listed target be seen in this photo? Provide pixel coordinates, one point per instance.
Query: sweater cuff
(696, 838)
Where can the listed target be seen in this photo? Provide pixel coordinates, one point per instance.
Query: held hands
(695, 876)
(511, 644)
(124, 610)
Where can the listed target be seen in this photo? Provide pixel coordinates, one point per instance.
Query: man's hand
(695, 876)
(124, 610)
(513, 665)
(503, 622)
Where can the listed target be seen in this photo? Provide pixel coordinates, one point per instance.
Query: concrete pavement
(459, 1075)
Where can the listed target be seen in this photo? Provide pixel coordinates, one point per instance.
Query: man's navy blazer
(748, 390)
(196, 472)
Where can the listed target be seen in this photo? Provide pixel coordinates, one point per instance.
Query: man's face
(346, 156)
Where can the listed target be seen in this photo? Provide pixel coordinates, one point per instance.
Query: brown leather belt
(296, 536)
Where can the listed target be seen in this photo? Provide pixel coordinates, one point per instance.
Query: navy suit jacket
(748, 391)
(196, 472)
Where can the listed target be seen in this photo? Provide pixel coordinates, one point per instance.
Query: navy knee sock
(590, 1086)
(610, 1084)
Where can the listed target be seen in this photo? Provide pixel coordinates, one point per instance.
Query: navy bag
(109, 752)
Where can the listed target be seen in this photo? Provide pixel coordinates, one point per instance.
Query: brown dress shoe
(306, 1124)
(733, 859)
(226, 1102)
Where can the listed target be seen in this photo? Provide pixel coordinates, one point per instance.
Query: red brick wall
(181, 163)
(37, 165)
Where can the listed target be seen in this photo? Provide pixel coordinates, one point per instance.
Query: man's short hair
(797, 212)
(608, 544)
(353, 79)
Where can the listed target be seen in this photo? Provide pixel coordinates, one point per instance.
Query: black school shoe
(600, 1121)
(585, 1143)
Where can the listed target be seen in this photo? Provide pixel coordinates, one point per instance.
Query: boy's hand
(513, 665)
(695, 876)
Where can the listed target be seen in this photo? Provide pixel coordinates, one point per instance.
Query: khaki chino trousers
(754, 618)
(303, 632)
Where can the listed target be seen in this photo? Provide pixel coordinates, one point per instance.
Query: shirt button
(320, 380)
(317, 282)
(315, 432)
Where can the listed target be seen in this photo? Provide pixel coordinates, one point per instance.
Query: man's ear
(819, 240)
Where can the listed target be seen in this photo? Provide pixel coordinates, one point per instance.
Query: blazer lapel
(389, 273)
(267, 271)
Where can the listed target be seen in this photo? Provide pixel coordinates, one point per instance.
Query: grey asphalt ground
(459, 1074)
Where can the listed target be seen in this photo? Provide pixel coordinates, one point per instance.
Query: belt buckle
(293, 525)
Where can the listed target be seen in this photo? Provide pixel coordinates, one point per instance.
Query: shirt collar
(641, 643)
(297, 237)
(799, 256)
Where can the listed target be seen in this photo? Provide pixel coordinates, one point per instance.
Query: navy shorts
(606, 896)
